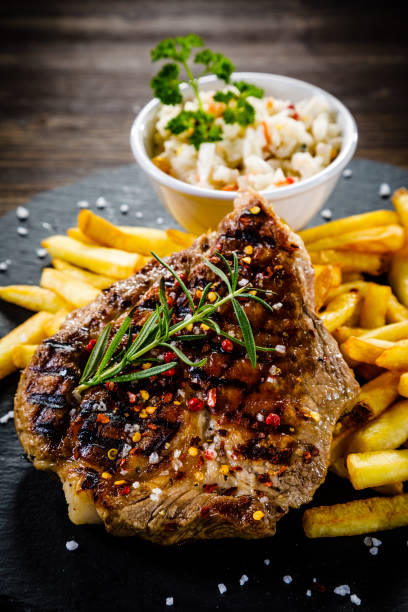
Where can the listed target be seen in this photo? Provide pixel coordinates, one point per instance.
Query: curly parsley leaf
(215, 63)
(166, 84)
(247, 89)
(199, 124)
(178, 48)
(241, 112)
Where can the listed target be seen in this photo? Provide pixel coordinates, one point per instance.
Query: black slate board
(38, 574)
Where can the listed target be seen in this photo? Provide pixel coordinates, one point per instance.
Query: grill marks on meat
(197, 474)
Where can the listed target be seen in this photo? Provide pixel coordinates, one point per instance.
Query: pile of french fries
(361, 288)
(89, 258)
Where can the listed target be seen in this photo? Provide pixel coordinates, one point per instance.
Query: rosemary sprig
(108, 362)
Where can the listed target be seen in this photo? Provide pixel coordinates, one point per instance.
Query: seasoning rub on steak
(197, 452)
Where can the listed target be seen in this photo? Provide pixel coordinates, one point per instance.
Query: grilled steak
(141, 457)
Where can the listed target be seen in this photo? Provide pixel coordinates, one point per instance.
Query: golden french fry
(388, 431)
(360, 286)
(395, 357)
(326, 277)
(374, 306)
(53, 325)
(79, 293)
(32, 297)
(394, 488)
(370, 263)
(110, 262)
(366, 351)
(339, 445)
(392, 332)
(339, 468)
(356, 517)
(396, 312)
(400, 200)
(184, 239)
(354, 223)
(383, 239)
(340, 310)
(29, 332)
(367, 371)
(403, 384)
(343, 333)
(96, 280)
(398, 275)
(22, 354)
(377, 468)
(76, 234)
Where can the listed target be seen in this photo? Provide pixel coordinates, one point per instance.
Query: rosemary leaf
(117, 338)
(183, 357)
(246, 331)
(144, 373)
(256, 298)
(97, 354)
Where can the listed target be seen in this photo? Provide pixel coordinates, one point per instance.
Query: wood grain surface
(73, 74)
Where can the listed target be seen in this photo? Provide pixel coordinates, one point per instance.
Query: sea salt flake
(287, 579)
(259, 417)
(82, 204)
(376, 542)
(347, 173)
(136, 484)
(22, 231)
(154, 458)
(263, 499)
(169, 601)
(3, 266)
(368, 541)
(280, 348)
(355, 599)
(71, 545)
(326, 214)
(222, 588)
(268, 561)
(277, 306)
(373, 551)
(177, 453)
(342, 590)
(139, 215)
(101, 202)
(41, 253)
(47, 226)
(157, 491)
(159, 220)
(6, 417)
(308, 593)
(154, 497)
(22, 213)
(384, 190)
(244, 578)
(124, 209)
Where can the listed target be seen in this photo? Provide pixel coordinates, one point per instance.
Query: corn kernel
(144, 394)
(199, 476)
(193, 451)
(258, 515)
(151, 409)
(249, 249)
(106, 475)
(146, 366)
(212, 296)
(204, 327)
(247, 260)
(255, 210)
(112, 453)
(119, 482)
(224, 469)
(136, 436)
(143, 414)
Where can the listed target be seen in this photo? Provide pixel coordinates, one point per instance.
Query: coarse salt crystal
(124, 209)
(384, 190)
(3, 266)
(41, 253)
(368, 541)
(373, 551)
(169, 601)
(154, 497)
(287, 579)
(160, 220)
(347, 173)
(280, 348)
(177, 453)
(82, 204)
(277, 306)
(47, 226)
(263, 499)
(243, 282)
(308, 593)
(314, 580)
(136, 484)
(259, 417)
(342, 590)
(222, 588)
(244, 578)
(355, 599)
(139, 214)
(376, 542)
(71, 545)
(267, 561)
(22, 231)
(101, 202)
(22, 213)
(157, 491)
(6, 417)
(153, 458)
(326, 214)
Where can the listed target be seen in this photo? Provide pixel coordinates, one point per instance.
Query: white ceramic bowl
(197, 209)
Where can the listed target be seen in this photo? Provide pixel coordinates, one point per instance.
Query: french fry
(184, 239)
(326, 277)
(22, 354)
(66, 286)
(377, 468)
(96, 280)
(392, 332)
(76, 234)
(360, 286)
(141, 240)
(394, 358)
(398, 275)
(101, 260)
(383, 239)
(53, 325)
(354, 223)
(366, 351)
(394, 488)
(29, 332)
(356, 517)
(400, 200)
(396, 312)
(339, 468)
(388, 431)
(370, 263)
(341, 334)
(339, 446)
(340, 310)
(374, 306)
(32, 297)
(350, 277)
(403, 384)
(367, 371)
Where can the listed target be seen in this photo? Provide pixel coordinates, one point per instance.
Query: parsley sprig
(121, 359)
(199, 125)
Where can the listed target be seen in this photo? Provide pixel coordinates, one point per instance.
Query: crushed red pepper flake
(102, 418)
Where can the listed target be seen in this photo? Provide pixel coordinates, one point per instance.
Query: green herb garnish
(110, 363)
(199, 125)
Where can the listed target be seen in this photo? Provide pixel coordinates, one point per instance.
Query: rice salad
(285, 144)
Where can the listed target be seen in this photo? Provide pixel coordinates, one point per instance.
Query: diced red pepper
(90, 345)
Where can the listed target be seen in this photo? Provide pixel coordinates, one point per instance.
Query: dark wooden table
(74, 73)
